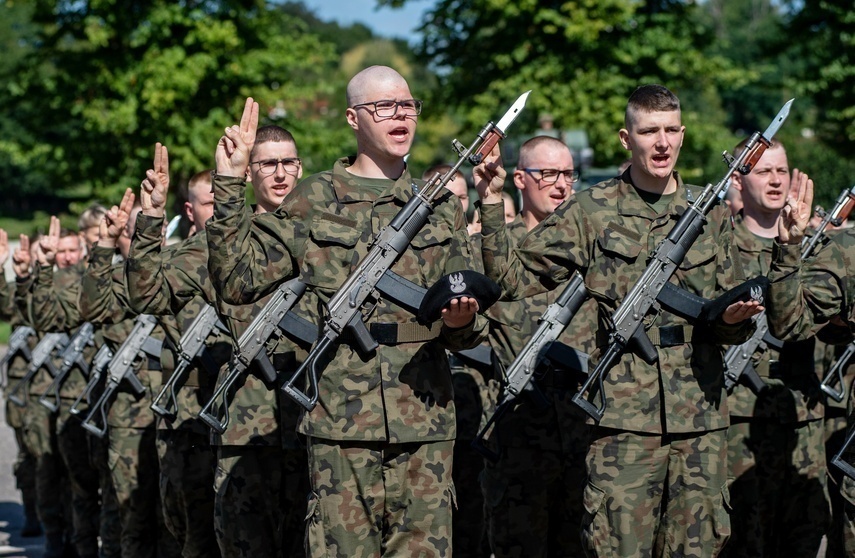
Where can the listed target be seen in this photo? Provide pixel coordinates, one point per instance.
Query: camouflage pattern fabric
(779, 495)
(85, 485)
(25, 464)
(804, 296)
(675, 486)
(110, 524)
(186, 477)
(357, 488)
(132, 457)
(260, 501)
(534, 492)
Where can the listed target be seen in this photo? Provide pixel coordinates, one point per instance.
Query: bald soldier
(380, 439)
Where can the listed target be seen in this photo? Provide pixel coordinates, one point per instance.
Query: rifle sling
(664, 336)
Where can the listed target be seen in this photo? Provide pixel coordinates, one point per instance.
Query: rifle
(18, 343)
(519, 374)
(625, 323)
(71, 356)
(121, 367)
(190, 346)
(251, 348)
(99, 362)
(41, 358)
(737, 359)
(344, 309)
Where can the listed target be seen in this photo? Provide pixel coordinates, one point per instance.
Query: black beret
(455, 285)
(753, 289)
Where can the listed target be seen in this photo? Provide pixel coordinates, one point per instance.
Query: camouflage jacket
(793, 394)
(17, 366)
(54, 301)
(103, 299)
(512, 324)
(260, 415)
(607, 232)
(321, 231)
(805, 295)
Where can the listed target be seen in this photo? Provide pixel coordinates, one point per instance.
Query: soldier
(261, 476)
(814, 297)
(89, 224)
(775, 438)
(380, 439)
(657, 475)
(25, 462)
(534, 490)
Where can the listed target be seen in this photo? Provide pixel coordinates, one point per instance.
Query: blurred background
(88, 86)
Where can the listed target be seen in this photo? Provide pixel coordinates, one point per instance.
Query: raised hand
(4, 247)
(21, 259)
(49, 243)
(234, 147)
(742, 310)
(459, 312)
(154, 188)
(489, 177)
(115, 220)
(796, 214)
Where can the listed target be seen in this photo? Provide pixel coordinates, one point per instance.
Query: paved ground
(11, 514)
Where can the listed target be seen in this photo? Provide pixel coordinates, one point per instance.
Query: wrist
(157, 212)
(107, 242)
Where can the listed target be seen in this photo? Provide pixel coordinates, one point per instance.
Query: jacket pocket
(596, 532)
(329, 251)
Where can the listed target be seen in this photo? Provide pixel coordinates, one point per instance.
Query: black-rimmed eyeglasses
(269, 166)
(389, 108)
(550, 176)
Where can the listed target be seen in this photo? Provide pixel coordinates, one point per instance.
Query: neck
(530, 219)
(762, 224)
(375, 167)
(653, 184)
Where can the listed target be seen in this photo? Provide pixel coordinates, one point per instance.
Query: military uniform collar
(747, 240)
(630, 203)
(347, 188)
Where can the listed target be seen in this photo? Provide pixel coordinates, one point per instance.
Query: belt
(670, 336)
(394, 333)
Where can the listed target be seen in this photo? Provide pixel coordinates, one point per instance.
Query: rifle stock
(251, 348)
(191, 345)
(121, 368)
(519, 374)
(835, 375)
(99, 363)
(346, 305)
(41, 358)
(626, 322)
(17, 344)
(71, 356)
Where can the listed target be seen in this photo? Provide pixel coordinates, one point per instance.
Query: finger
(157, 156)
(127, 203)
(24, 242)
(4, 237)
(164, 162)
(808, 199)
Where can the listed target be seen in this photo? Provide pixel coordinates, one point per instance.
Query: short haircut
(650, 98)
(91, 216)
(65, 233)
(273, 133)
(203, 177)
(534, 143)
(441, 168)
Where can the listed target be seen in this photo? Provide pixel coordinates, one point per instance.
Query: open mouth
(660, 160)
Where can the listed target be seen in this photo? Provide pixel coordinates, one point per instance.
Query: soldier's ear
(623, 134)
(350, 114)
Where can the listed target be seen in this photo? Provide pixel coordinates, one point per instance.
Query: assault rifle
(737, 359)
(121, 367)
(41, 358)
(99, 363)
(251, 347)
(71, 356)
(626, 322)
(190, 346)
(345, 308)
(18, 343)
(519, 374)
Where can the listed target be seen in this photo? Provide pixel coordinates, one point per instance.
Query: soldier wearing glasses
(380, 438)
(533, 493)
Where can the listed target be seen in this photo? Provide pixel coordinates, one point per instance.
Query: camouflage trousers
(764, 457)
(132, 457)
(53, 494)
(655, 495)
(379, 499)
(260, 501)
(110, 525)
(534, 502)
(187, 490)
(73, 444)
(468, 524)
(24, 467)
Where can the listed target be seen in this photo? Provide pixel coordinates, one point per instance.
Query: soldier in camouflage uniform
(534, 491)
(63, 248)
(657, 470)
(776, 438)
(16, 367)
(262, 472)
(814, 297)
(380, 439)
(53, 491)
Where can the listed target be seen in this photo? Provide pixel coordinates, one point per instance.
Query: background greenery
(88, 86)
